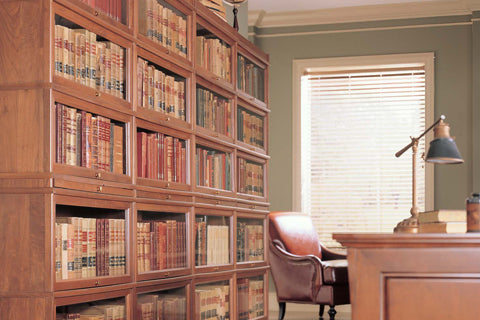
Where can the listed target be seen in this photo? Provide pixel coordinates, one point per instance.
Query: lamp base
(409, 225)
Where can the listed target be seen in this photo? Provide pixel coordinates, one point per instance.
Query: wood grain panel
(25, 29)
(24, 130)
(22, 236)
(34, 308)
(440, 298)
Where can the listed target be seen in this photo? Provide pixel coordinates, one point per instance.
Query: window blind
(352, 124)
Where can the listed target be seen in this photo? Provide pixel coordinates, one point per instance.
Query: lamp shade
(443, 149)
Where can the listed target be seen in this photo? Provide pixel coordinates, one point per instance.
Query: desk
(413, 276)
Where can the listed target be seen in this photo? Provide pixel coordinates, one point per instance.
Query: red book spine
(98, 254)
(163, 245)
(106, 245)
(154, 243)
(142, 154)
(59, 131)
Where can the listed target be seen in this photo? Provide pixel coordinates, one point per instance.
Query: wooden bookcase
(133, 177)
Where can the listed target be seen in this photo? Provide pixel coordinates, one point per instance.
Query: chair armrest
(296, 278)
(328, 254)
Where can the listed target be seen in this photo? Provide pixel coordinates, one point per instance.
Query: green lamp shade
(443, 151)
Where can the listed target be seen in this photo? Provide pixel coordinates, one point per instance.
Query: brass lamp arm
(415, 140)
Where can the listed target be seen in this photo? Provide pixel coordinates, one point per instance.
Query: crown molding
(262, 19)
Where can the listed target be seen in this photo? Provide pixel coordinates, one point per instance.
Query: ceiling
(274, 13)
(298, 5)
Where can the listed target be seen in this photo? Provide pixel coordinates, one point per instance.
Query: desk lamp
(443, 150)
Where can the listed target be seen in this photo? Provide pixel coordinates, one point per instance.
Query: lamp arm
(414, 140)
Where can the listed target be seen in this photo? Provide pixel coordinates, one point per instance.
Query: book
(81, 58)
(442, 215)
(443, 227)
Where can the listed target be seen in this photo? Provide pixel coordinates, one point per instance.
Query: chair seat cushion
(335, 271)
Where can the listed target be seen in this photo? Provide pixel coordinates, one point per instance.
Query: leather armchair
(303, 270)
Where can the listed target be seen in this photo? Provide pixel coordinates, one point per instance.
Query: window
(355, 114)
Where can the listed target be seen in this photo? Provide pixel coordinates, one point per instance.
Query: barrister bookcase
(133, 171)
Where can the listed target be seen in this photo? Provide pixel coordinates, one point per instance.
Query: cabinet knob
(97, 283)
(168, 51)
(99, 188)
(97, 94)
(217, 202)
(168, 184)
(98, 175)
(169, 197)
(96, 13)
(168, 119)
(167, 274)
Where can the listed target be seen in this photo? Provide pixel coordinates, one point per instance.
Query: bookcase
(133, 175)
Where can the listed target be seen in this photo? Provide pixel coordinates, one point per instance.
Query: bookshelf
(134, 183)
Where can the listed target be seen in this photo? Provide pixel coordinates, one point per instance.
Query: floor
(308, 312)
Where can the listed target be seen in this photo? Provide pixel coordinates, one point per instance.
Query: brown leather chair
(303, 270)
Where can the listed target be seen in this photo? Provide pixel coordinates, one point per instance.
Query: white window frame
(302, 66)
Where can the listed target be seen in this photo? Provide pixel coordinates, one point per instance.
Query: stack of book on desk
(442, 221)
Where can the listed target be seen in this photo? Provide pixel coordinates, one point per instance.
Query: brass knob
(99, 188)
(96, 13)
(168, 184)
(169, 197)
(98, 175)
(97, 94)
(97, 283)
(168, 118)
(217, 202)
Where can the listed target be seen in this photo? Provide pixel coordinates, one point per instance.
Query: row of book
(212, 302)
(250, 78)
(214, 56)
(250, 298)
(161, 245)
(163, 26)
(110, 311)
(249, 242)
(161, 307)
(89, 247)
(112, 8)
(213, 168)
(98, 64)
(213, 112)
(158, 91)
(442, 221)
(161, 157)
(249, 128)
(211, 243)
(216, 6)
(87, 140)
(250, 177)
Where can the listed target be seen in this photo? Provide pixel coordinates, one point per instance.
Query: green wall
(452, 39)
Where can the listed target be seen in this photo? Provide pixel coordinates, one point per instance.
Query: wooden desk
(413, 276)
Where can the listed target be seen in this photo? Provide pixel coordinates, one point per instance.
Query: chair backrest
(296, 231)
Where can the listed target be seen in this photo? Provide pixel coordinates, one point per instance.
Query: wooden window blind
(353, 122)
